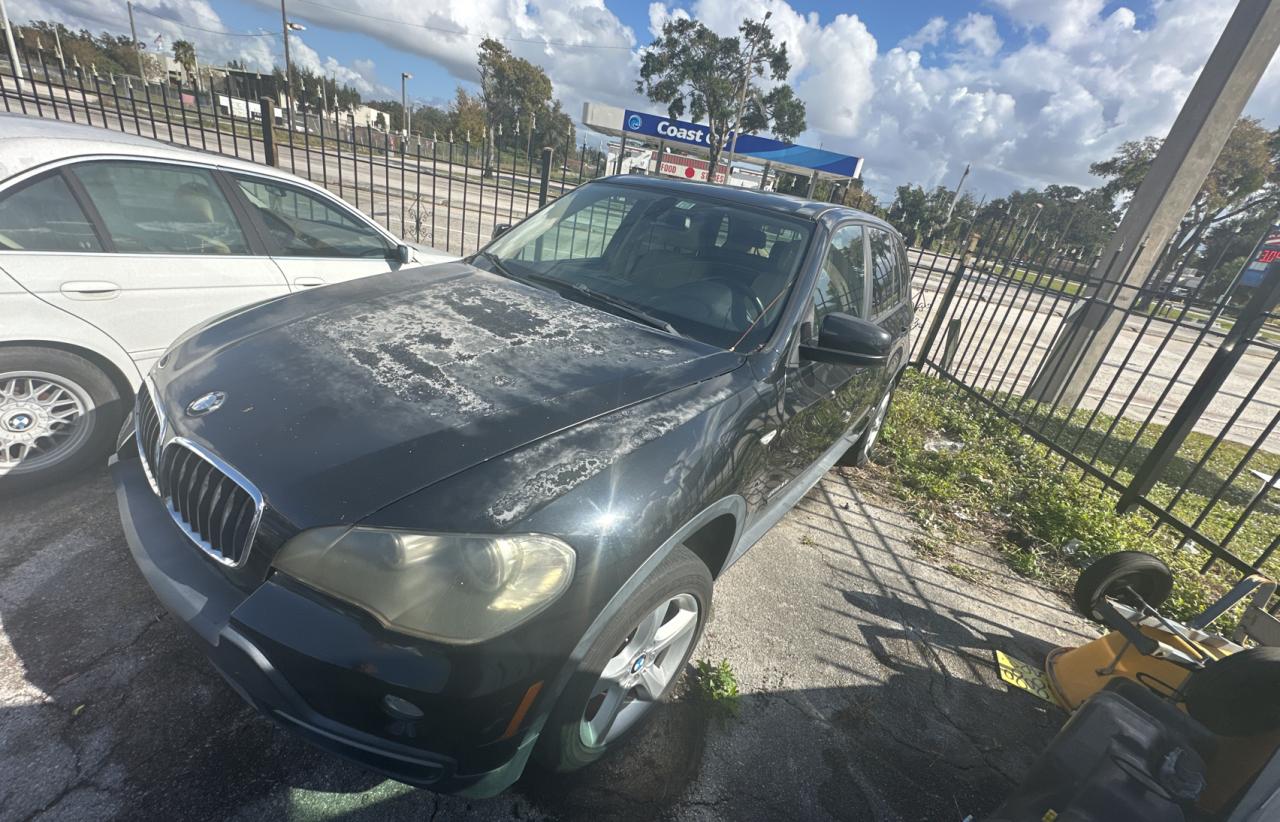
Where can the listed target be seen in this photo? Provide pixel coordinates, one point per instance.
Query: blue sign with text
(749, 145)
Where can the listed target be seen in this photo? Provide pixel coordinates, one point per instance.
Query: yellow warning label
(1023, 676)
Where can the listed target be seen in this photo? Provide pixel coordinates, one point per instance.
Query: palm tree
(184, 51)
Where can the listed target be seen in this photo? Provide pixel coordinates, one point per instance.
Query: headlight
(455, 588)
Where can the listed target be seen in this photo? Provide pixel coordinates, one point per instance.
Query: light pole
(742, 101)
(404, 102)
(285, 28)
(8, 39)
(1030, 228)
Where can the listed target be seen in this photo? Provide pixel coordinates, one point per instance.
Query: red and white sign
(688, 168)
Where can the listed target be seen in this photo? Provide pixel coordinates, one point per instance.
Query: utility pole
(137, 47)
(13, 49)
(1196, 139)
(742, 101)
(956, 196)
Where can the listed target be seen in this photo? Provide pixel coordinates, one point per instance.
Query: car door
(141, 249)
(312, 237)
(823, 401)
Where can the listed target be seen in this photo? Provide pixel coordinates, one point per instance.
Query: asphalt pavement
(869, 689)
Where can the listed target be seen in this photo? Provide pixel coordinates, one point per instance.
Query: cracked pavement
(869, 689)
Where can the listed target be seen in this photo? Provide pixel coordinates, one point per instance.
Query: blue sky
(1028, 91)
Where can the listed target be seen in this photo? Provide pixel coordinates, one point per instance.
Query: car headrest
(745, 236)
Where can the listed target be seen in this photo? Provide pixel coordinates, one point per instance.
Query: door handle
(89, 290)
(308, 282)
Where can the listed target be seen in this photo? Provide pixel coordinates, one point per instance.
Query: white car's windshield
(707, 269)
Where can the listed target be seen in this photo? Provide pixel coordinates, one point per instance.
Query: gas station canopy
(624, 123)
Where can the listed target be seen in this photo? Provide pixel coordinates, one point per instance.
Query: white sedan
(112, 245)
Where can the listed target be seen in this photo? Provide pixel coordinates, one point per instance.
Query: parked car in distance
(112, 245)
(447, 519)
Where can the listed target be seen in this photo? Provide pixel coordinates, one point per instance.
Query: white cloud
(930, 34)
(1067, 83)
(978, 31)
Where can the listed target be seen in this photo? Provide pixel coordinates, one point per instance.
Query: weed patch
(1048, 519)
(716, 685)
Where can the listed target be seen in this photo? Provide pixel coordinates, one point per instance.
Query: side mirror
(499, 230)
(402, 254)
(847, 340)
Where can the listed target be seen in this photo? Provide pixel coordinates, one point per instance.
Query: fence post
(268, 129)
(1210, 381)
(940, 315)
(546, 176)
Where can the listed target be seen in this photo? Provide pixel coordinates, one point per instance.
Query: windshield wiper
(625, 308)
(500, 268)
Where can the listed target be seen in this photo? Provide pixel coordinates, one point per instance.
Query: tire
(1238, 695)
(37, 387)
(1148, 576)
(859, 454)
(564, 744)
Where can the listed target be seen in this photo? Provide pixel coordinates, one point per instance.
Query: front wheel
(860, 453)
(632, 665)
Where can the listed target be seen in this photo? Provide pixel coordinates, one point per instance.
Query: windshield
(712, 271)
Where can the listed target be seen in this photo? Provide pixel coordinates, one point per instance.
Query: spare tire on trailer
(1238, 695)
(1147, 575)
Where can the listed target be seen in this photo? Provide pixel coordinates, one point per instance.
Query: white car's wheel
(58, 415)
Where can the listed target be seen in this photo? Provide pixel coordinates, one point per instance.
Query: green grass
(1019, 493)
(1060, 285)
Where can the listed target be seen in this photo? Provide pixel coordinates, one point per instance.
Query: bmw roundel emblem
(205, 403)
(634, 122)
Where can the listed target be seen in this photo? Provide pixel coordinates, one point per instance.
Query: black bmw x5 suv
(443, 520)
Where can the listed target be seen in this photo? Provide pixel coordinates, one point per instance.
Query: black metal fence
(448, 195)
(1178, 419)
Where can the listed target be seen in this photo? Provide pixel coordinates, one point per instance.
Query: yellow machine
(1231, 686)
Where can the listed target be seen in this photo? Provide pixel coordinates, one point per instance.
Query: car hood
(341, 400)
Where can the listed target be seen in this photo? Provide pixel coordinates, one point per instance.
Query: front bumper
(323, 674)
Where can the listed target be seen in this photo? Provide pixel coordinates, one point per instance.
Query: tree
(518, 102)
(466, 116)
(430, 121)
(1244, 179)
(691, 69)
(184, 51)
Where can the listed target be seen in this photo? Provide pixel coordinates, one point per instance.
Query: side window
(842, 278)
(150, 208)
(44, 216)
(905, 271)
(886, 283)
(303, 224)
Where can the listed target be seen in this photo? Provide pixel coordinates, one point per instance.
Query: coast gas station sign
(753, 146)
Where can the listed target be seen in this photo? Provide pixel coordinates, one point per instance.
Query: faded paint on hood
(344, 399)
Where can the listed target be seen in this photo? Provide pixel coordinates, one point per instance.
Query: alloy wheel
(637, 675)
(877, 421)
(43, 420)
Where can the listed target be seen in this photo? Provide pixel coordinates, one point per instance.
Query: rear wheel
(1115, 574)
(58, 415)
(632, 665)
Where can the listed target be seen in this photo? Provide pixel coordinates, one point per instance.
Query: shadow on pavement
(107, 710)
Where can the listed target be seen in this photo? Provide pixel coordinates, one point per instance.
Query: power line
(223, 32)
(455, 32)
